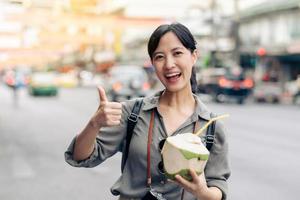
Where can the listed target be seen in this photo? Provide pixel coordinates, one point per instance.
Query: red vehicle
(234, 86)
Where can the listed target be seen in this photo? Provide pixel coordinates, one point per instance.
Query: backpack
(132, 120)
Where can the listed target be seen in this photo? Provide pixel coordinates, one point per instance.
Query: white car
(270, 92)
(127, 81)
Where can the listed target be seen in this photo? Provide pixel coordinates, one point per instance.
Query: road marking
(20, 166)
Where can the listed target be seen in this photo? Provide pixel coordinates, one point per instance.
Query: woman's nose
(169, 62)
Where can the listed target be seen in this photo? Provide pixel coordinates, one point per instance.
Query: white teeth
(172, 74)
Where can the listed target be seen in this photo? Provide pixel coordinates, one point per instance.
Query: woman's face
(173, 63)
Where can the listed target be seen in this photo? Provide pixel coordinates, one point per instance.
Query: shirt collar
(151, 101)
(201, 111)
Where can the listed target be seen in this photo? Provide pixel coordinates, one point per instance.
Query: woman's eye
(177, 53)
(158, 57)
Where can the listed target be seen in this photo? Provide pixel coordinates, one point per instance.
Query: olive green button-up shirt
(132, 182)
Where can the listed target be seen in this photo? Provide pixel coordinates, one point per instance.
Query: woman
(175, 110)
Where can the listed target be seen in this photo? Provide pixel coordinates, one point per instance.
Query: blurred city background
(53, 54)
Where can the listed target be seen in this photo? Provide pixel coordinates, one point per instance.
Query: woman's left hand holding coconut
(198, 187)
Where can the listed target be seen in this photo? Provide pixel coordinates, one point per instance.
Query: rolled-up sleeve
(217, 170)
(107, 143)
(91, 161)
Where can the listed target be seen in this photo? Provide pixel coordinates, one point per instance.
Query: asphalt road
(34, 133)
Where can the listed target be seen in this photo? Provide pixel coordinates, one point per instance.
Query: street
(35, 132)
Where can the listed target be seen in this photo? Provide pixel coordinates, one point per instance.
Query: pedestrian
(176, 110)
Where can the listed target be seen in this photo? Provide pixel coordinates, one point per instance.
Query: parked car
(208, 80)
(225, 84)
(269, 92)
(296, 98)
(296, 95)
(234, 86)
(269, 82)
(43, 83)
(126, 82)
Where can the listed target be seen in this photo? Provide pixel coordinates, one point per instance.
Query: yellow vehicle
(67, 80)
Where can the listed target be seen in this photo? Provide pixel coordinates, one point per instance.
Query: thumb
(102, 94)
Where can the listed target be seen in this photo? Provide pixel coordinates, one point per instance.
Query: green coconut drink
(183, 152)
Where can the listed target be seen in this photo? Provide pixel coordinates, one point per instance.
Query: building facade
(269, 36)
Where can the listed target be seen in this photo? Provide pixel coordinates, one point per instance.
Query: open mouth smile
(172, 77)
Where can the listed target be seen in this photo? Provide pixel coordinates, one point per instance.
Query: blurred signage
(10, 42)
(10, 27)
(83, 5)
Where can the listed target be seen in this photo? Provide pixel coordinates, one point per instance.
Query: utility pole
(236, 21)
(213, 33)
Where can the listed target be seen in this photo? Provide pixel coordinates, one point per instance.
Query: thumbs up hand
(108, 113)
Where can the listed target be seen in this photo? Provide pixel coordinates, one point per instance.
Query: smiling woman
(173, 111)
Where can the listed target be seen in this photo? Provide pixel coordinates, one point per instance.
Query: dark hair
(185, 37)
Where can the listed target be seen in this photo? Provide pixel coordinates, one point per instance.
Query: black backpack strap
(210, 134)
(132, 120)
